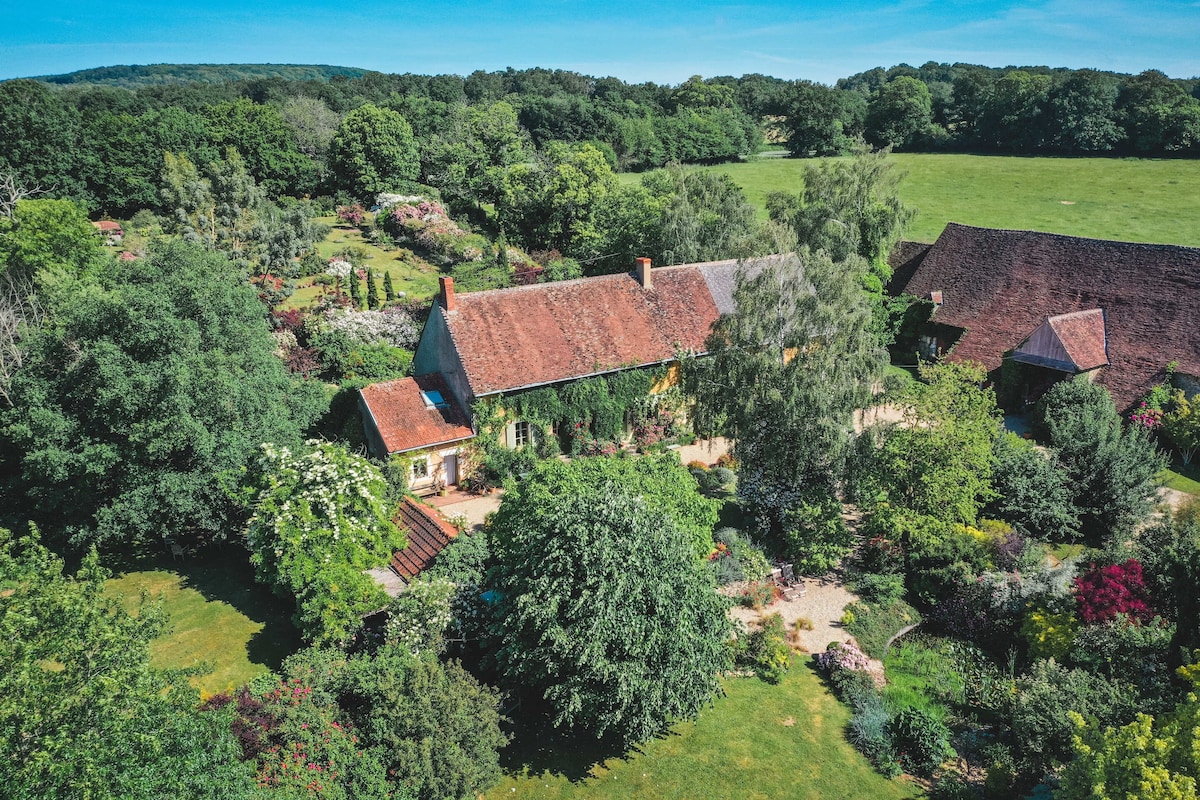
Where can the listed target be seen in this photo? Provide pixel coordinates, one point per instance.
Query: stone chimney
(643, 272)
(446, 295)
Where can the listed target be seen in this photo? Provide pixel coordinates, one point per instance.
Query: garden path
(821, 603)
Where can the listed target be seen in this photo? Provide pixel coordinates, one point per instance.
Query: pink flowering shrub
(1107, 592)
(1146, 416)
(424, 211)
(352, 215)
(839, 656)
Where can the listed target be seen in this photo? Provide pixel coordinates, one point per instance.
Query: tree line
(103, 145)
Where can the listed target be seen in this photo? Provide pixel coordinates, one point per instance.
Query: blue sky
(635, 41)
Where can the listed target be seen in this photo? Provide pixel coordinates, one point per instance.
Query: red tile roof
(406, 422)
(106, 225)
(1082, 336)
(428, 534)
(1000, 285)
(527, 336)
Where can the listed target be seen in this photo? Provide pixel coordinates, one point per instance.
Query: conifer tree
(372, 291)
(389, 293)
(355, 289)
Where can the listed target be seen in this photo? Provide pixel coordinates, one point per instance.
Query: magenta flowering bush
(1146, 416)
(1104, 593)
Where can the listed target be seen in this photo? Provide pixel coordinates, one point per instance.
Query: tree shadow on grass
(227, 575)
(537, 748)
(224, 574)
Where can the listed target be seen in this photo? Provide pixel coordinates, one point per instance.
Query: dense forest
(131, 76)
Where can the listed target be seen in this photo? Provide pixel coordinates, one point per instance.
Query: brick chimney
(446, 295)
(643, 272)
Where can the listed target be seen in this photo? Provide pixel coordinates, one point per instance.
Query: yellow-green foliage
(1049, 635)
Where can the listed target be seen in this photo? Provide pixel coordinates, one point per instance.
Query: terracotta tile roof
(405, 420)
(533, 335)
(1082, 336)
(428, 534)
(1000, 285)
(107, 225)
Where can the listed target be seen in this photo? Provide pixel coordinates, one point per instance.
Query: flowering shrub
(1146, 416)
(424, 211)
(839, 656)
(311, 751)
(339, 268)
(419, 617)
(320, 520)
(758, 595)
(655, 427)
(1104, 593)
(352, 215)
(393, 326)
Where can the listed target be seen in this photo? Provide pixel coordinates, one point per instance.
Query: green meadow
(1137, 200)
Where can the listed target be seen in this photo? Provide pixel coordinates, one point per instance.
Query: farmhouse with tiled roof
(420, 416)
(1119, 310)
(482, 344)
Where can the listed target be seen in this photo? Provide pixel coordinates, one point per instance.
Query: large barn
(1063, 305)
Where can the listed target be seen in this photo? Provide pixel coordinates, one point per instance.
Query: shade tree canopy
(141, 399)
(82, 713)
(604, 615)
(373, 151)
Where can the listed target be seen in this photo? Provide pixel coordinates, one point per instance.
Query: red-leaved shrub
(1106, 592)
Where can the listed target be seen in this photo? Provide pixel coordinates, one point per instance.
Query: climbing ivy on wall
(588, 415)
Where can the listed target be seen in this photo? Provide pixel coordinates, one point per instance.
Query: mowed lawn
(418, 280)
(217, 614)
(759, 742)
(1137, 200)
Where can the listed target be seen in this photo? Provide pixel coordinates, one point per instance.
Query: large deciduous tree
(373, 151)
(603, 611)
(142, 397)
(82, 714)
(899, 113)
(553, 202)
(784, 373)
(938, 461)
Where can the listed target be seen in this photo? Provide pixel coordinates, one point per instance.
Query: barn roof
(428, 534)
(1074, 342)
(526, 336)
(412, 413)
(1000, 285)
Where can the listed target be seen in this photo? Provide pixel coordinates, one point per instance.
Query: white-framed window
(420, 468)
(520, 434)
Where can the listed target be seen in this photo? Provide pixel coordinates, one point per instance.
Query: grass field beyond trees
(759, 742)
(1137, 200)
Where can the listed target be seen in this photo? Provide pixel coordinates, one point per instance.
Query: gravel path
(822, 605)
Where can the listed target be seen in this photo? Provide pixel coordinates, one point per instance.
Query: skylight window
(434, 399)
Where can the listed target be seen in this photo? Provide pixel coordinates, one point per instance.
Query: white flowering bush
(321, 520)
(418, 618)
(338, 267)
(392, 326)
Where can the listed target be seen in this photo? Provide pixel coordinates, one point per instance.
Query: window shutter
(510, 435)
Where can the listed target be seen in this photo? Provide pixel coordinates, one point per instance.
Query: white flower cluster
(392, 326)
(338, 268)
